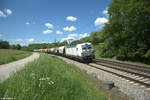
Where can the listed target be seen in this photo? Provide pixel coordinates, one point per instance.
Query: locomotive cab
(86, 51)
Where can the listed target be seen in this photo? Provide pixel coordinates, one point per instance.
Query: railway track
(134, 73)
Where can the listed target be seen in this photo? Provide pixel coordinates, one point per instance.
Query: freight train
(83, 52)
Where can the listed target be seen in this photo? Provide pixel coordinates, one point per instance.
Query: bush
(147, 57)
(4, 45)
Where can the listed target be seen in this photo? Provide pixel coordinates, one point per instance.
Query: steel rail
(137, 72)
(126, 77)
(124, 65)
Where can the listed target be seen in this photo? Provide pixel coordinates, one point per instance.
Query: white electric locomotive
(83, 52)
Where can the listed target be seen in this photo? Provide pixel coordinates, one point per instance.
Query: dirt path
(7, 69)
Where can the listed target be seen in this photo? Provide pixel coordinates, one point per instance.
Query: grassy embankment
(7, 55)
(97, 55)
(49, 78)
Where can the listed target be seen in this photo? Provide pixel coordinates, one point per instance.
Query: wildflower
(43, 79)
(43, 91)
(32, 75)
(40, 84)
(51, 83)
(35, 97)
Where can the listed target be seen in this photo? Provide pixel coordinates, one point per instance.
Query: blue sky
(43, 21)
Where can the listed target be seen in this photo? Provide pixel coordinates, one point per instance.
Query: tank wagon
(82, 52)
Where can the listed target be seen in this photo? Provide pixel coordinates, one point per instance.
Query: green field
(48, 78)
(7, 55)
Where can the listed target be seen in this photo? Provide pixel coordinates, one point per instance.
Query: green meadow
(8, 55)
(48, 78)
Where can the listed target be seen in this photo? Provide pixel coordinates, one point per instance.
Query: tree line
(127, 34)
(30, 47)
(6, 45)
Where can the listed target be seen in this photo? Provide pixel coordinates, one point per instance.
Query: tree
(75, 42)
(94, 38)
(4, 44)
(24, 48)
(127, 35)
(18, 46)
(12, 47)
(85, 39)
(63, 43)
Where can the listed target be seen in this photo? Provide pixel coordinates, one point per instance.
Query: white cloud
(47, 31)
(83, 35)
(48, 25)
(78, 36)
(100, 21)
(67, 38)
(105, 11)
(71, 28)
(27, 23)
(2, 14)
(59, 32)
(70, 37)
(21, 41)
(30, 40)
(43, 42)
(74, 36)
(8, 11)
(71, 18)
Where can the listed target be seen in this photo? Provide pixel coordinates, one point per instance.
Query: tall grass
(7, 55)
(48, 78)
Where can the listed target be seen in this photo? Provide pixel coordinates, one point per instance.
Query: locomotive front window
(83, 48)
(89, 47)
